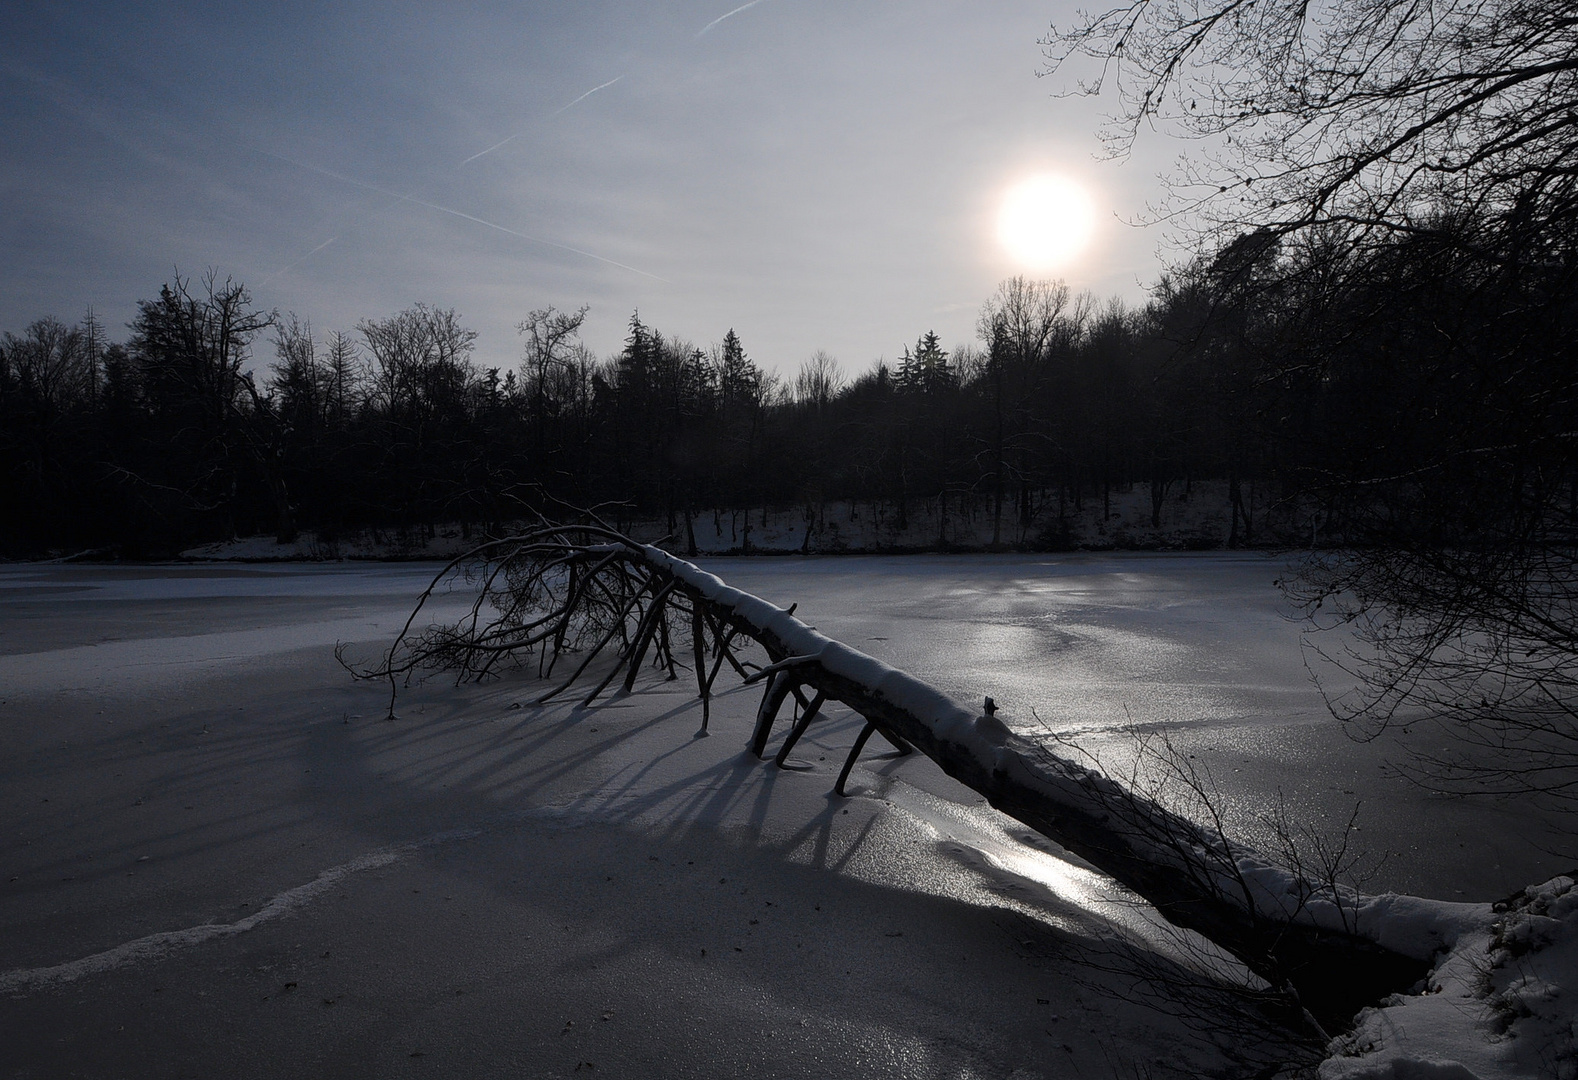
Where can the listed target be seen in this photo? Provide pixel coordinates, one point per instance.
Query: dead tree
(587, 590)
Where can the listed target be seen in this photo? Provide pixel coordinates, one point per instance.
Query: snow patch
(1502, 1002)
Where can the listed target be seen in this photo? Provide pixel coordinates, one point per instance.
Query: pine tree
(907, 377)
(739, 379)
(634, 368)
(939, 373)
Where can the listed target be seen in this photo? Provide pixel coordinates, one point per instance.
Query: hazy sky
(817, 174)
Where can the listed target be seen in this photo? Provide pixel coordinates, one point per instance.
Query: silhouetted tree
(211, 436)
(1372, 115)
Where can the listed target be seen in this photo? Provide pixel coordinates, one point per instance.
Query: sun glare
(1045, 221)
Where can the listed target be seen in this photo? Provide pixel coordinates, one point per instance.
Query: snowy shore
(224, 862)
(1194, 518)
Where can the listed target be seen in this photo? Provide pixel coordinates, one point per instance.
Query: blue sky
(816, 174)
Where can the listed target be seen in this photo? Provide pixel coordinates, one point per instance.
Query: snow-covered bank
(1501, 1003)
(1196, 518)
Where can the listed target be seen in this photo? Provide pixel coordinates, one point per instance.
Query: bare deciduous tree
(1374, 114)
(51, 364)
(818, 381)
(1019, 324)
(552, 351)
(421, 360)
(192, 349)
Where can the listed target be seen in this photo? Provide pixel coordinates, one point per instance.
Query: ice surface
(105, 671)
(1195, 647)
(189, 622)
(178, 773)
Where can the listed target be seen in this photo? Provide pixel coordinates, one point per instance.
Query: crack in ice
(157, 946)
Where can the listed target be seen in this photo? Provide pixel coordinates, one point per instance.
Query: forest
(1371, 397)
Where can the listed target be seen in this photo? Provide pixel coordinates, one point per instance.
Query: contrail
(595, 89)
(298, 262)
(726, 15)
(460, 214)
(329, 173)
(489, 150)
(556, 112)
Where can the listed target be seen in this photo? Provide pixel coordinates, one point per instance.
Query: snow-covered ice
(181, 752)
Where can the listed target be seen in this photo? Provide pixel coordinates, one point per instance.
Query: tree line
(1262, 363)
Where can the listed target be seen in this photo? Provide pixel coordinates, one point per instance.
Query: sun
(1046, 221)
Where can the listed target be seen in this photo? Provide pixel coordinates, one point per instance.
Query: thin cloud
(727, 15)
(537, 239)
(456, 213)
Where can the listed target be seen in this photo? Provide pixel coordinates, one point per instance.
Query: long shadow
(461, 757)
(676, 817)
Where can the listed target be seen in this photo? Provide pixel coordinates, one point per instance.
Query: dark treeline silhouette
(1356, 393)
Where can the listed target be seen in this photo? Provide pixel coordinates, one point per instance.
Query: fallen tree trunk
(1329, 948)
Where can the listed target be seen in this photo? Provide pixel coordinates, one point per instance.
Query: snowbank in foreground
(1499, 1004)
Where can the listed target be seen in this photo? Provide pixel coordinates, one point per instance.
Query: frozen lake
(1197, 646)
(218, 852)
(1089, 642)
